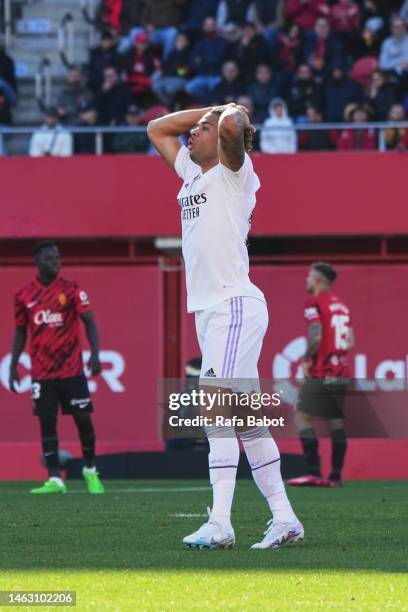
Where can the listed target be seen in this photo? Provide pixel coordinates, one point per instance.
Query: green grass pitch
(122, 550)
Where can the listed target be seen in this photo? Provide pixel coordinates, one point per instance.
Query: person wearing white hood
(283, 139)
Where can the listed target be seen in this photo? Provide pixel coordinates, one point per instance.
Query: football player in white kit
(216, 201)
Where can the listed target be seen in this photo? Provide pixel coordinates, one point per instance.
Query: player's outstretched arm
(19, 341)
(164, 131)
(233, 128)
(92, 335)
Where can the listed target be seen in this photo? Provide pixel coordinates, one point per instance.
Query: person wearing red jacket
(357, 139)
(305, 12)
(345, 20)
(143, 63)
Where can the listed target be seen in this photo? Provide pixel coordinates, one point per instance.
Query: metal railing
(100, 131)
(43, 86)
(66, 40)
(88, 9)
(7, 23)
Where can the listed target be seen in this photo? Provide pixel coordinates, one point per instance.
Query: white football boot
(211, 535)
(279, 534)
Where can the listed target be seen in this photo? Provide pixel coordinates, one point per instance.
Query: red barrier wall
(136, 196)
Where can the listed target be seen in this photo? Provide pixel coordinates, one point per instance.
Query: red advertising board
(137, 196)
(378, 298)
(127, 303)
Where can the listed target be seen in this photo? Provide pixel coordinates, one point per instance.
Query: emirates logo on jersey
(46, 317)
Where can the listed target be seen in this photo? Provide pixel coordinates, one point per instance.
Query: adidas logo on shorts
(210, 373)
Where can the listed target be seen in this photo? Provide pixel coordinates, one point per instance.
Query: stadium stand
(166, 55)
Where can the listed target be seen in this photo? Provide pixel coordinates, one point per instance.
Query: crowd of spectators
(291, 61)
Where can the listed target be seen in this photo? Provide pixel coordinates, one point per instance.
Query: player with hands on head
(216, 203)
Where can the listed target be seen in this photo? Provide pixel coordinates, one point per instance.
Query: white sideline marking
(188, 515)
(159, 490)
(116, 491)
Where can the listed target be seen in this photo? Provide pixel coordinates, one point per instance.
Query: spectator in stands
(142, 64)
(172, 78)
(305, 12)
(394, 50)
(5, 111)
(381, 94)
(72, 96)
(277, 133)
(361, 139)
(110, 12)
(197, 12)
(315, 140)
(345, 19)
(232, 11)
(374, 11)
(339, 92)
(251, 50)
(404, 12)
(51, 139)
(230, 86)
(114, 98)
(268, 17)
(102, 56)
(208, 54)
(131, 141)
(304, 92)
(368, 41)
(85, 142)
(322, 48)
(131, 15)
(290, 49)
(266, 86)
(396, 138)
(8, 83)
(159, 20)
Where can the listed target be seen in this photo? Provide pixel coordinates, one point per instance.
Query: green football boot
(50, 486)
(93, 481)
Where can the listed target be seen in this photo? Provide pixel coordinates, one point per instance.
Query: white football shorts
(230, 336)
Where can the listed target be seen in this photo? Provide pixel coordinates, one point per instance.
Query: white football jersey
(216, 208)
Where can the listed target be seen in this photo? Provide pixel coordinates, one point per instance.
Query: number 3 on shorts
(36, 391)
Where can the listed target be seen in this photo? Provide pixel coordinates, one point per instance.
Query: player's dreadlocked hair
(248, 133)
(326, 269)
(43, 244)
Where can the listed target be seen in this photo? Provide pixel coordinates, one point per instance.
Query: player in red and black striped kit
(327, 373)
(49, 308)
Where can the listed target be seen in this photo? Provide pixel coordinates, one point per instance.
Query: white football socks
(223, 461)
(264, 459)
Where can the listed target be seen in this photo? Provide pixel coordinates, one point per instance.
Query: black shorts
(323, 397)
(71, 393)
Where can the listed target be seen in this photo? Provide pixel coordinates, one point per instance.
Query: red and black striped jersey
(51, 315)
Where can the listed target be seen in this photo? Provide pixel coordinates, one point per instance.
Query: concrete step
(32, 42)
(51, 11)
(50, 26)
(25, 57)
